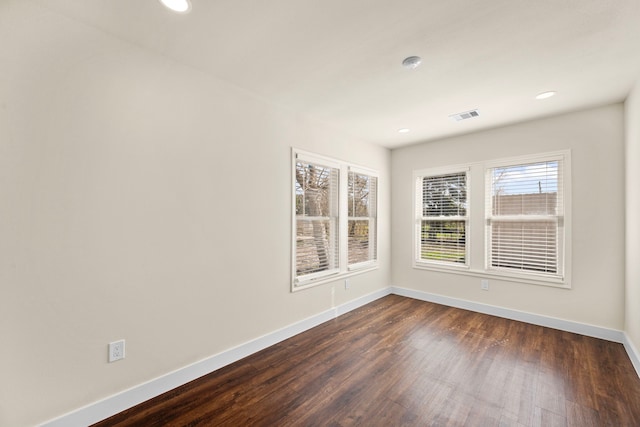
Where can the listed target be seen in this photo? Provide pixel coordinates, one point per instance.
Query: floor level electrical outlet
(484, 284)
(347, 285)
(116, 350)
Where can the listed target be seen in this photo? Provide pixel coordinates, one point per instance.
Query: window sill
(310, 283)
(497, 275)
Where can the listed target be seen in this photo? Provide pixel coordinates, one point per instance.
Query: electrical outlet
(116, 350)
(484, 284)
(347, 284)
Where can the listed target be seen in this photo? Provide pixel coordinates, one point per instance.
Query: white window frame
(418, 177)
(562, 219)
(478, 186)
(342, 269)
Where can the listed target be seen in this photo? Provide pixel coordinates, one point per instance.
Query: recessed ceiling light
(545, 95)
(180, 6)
(404, 130)
(412, 62)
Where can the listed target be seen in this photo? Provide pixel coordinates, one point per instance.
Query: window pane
(360, 249)
(316, 242)
(524, 224)
(315, 186)
(525, 204)
(530, 246)
(443, 241)
(316, 195)
(530, 189)
(444, 195)
(362, 193)
(359, 194)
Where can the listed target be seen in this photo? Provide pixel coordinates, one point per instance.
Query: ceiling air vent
(464, 116)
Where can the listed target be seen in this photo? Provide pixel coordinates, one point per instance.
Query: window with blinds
(316, 204)
(362, 221)
(442, 218)
(525, 218)
(335, 219)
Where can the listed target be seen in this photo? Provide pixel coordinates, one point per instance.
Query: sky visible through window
(526, 179)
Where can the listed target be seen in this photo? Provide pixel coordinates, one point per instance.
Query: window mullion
(344, 219)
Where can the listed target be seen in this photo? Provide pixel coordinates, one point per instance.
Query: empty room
(319, 213)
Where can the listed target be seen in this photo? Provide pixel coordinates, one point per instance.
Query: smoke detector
(411, 62)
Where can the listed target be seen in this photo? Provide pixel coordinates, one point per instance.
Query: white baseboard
(633, 353)
(124, 400)
(522, 316)
(119, 402)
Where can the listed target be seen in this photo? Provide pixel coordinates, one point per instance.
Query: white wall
(140, 200)
(632, 157)
(595, 138)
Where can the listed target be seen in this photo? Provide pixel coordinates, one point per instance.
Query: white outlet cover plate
(116, 350)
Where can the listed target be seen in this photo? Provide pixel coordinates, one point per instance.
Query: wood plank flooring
(404, 362)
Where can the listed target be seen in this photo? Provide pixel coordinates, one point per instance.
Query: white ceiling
(339, 61)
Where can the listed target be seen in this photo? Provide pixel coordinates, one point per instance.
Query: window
(441, 218)
(335, 219)
(525, 217)
(362, 209)
(523, 234)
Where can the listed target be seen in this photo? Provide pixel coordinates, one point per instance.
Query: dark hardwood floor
(403, 362)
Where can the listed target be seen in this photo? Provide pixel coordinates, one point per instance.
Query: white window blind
(525, 218)
(317, 219)
(442, 218)
(362, 219)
